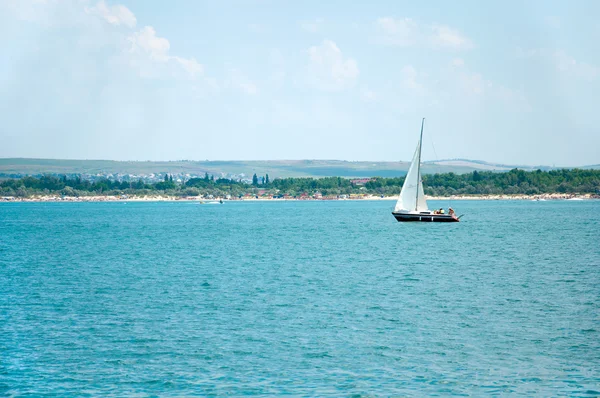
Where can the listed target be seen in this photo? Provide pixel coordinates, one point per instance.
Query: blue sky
(514, 82)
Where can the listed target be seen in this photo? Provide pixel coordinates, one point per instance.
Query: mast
(419, 166)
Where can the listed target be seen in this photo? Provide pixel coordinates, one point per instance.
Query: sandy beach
(162, 198)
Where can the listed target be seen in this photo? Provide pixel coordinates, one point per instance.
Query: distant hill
(483, 165)
(275, 168)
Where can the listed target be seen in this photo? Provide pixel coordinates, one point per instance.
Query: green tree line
(476, 183)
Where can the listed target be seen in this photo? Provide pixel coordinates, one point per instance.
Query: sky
(514, 82)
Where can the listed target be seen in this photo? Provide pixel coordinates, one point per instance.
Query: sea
(300, 298)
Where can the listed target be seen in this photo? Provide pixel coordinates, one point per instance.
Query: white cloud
(398, 32)
(409, 79)
(458, 62)
(476, 86)
(142, 50)
(249, 88)
(146, 49)
(239, 81)
(473, 83)
(101, 42)
(328, 69)
(405, 32)
(190, 65)
(146, 42)
(114, 15)
(568, 64)
(447, 37)
(26, 10)
(312, 26)
(452, 86)
(368, 95)
(563, 62)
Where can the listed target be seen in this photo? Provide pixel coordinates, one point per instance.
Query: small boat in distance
(212, 202)
(411, 205)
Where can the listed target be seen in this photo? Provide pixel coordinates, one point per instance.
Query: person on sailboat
(451, 211)
(441, 211)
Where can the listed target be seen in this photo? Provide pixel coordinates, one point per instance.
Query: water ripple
(315, 298)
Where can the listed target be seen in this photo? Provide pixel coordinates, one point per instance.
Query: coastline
(164, 198)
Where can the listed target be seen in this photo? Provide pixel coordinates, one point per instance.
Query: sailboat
(411, 205)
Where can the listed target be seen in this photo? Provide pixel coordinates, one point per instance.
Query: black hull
(401, 217)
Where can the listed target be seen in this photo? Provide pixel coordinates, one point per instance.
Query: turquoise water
(303, 298)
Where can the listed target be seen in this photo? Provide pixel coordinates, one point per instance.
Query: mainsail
(412, 197)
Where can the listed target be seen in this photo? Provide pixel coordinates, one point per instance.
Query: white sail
(412, 197)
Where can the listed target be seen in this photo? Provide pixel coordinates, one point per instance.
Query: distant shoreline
(163, 198)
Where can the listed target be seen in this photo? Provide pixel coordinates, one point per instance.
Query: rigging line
(434, 152)
(437, 166)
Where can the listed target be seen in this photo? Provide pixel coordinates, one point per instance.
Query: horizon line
(300, 160)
